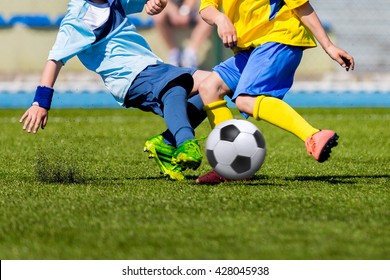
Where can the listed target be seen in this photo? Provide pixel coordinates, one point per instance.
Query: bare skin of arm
(36, 116)
(225, 28)
(309, 17)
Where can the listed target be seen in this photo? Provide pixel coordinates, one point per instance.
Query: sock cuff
(256, 108)
(214, 105)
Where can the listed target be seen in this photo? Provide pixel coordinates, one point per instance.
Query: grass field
(84, 189)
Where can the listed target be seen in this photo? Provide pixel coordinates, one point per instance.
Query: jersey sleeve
(133, 6)
(292, 4)
(73, 37)
(208, 3)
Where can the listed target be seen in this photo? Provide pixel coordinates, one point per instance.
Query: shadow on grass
(338, 179)
(60, 172)
(265, 180)
(256, 180)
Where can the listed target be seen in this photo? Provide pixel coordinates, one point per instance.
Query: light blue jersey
(105, 41)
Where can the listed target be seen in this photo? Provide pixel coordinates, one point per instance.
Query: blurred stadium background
(28, 29)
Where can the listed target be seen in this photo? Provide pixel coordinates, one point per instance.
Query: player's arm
(152, 7)
(37, 115)
(225, 27)
(309, 17)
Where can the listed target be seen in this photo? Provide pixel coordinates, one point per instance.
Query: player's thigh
(231, 69)
(270, 70)
(199, 76)
(213, 88)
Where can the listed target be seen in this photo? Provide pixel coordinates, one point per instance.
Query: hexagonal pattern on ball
(236, 149)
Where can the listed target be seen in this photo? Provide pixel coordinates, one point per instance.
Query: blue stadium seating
(3, 23)
(140, 22)
(31, 20)
(44, 21)
(58, 20)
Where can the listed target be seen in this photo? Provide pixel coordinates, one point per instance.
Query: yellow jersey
(262, 21)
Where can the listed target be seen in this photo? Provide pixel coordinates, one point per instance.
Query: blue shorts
(150, 85)
(266, 70)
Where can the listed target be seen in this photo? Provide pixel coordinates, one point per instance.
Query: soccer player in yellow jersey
(268, 38)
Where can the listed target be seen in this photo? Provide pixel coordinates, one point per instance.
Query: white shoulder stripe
(96, 17)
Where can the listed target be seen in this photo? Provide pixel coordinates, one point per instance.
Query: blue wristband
(43, 96)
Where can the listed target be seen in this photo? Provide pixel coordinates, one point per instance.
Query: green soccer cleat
(162, 153)
(188, 155)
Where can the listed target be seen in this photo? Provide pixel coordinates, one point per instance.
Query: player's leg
(212, 91)
(172, 160)
(261, 96)
(187, 154)
(277, 112)
(162, 147)
(166, 97)
(195, 111)
(223, 81)
(318, 142)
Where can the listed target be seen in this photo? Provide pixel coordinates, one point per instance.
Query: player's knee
(208, 91)
(212, 89)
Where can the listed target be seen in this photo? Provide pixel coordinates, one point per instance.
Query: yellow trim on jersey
(254, 28)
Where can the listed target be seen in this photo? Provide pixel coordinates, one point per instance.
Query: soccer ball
(235, 149)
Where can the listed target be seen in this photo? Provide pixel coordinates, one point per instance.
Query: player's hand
(34, 118)
(154, 7)
(342, 57)
(226, 31)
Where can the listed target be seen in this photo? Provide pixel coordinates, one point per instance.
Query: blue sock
(195, 111)
(196, 115)
(175, 114)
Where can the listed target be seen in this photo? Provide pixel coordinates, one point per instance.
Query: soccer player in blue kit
(106, 42)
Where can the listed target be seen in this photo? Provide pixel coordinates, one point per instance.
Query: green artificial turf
(83, 189)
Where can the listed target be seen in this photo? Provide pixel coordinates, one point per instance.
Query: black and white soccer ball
(235, 149)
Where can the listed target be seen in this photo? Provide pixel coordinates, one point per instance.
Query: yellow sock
(217, 112)
(280, 114)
